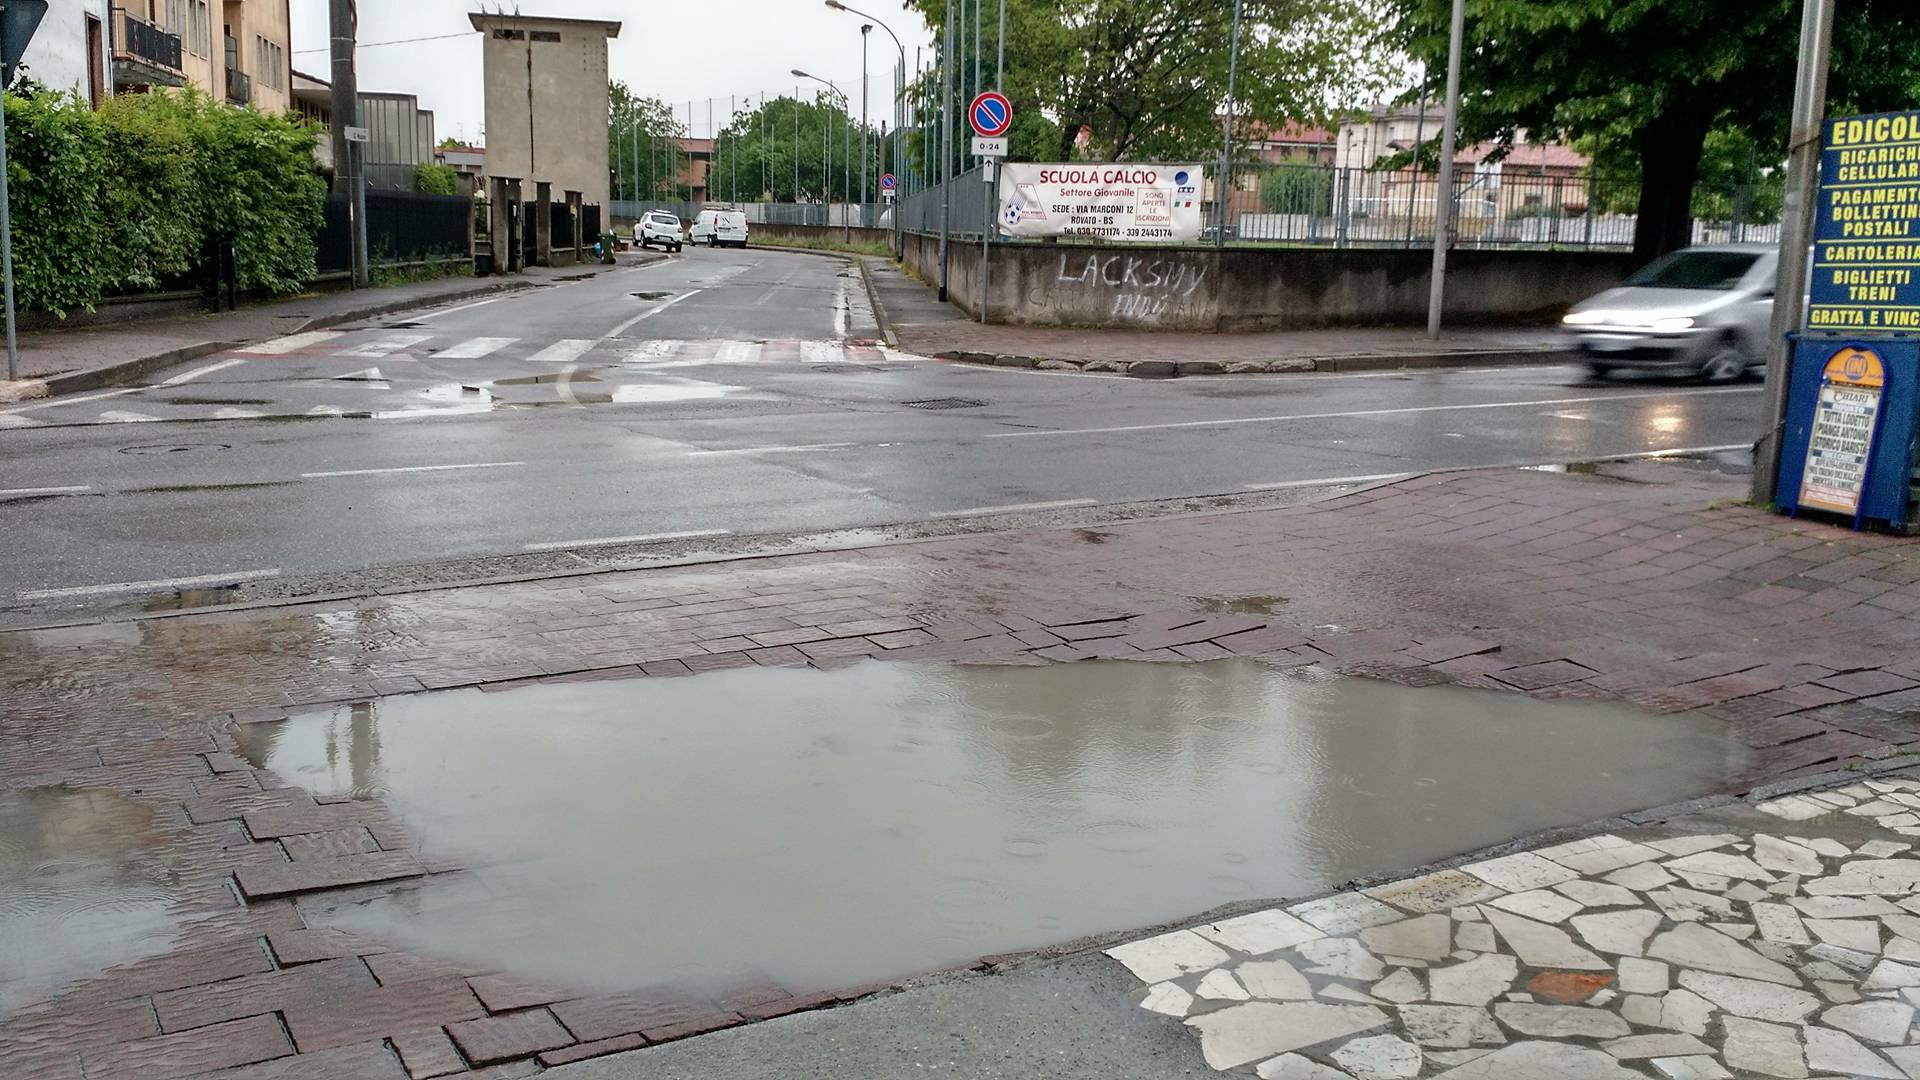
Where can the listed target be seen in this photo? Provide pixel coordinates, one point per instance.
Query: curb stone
(1166, 369)
(73, 382)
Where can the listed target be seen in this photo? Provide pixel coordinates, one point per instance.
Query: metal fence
(859, 215)
(402, 226)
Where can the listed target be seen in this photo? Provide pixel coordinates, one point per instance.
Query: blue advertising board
(1866, 241)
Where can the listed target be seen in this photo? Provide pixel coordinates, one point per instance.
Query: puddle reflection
(835, 828)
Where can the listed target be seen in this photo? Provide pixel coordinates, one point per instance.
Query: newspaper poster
(1114, 201)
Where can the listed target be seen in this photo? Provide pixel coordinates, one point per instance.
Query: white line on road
(462, 307)
(648, 314)
(161, 584)
(773, 449)
(1365, 412)
(644, 538)
(562, 352)
(475, 348)
(1014, 508)
(189, 376)
(385, 347)
(7, 493)
(290, 343)
(410, 469)
(1328, 481)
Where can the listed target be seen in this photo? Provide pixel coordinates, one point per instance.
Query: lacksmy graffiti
(1144, 287)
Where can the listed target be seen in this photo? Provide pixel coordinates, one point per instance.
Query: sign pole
(1226, 143)
(1443, 198)
(6, 249)
(986, 228)
(1796, 236)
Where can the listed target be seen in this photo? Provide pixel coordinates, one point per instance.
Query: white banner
(1119, 201)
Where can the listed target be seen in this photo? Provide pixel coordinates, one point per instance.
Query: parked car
(719, 227)
(658, 227)
(1699, 311)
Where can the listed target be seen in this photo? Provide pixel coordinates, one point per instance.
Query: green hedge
(126, 198)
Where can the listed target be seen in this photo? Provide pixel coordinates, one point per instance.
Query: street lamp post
(826, 137)
(899, 103)
(865, 29)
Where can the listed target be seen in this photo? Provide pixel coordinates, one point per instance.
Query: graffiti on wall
(1141, 288)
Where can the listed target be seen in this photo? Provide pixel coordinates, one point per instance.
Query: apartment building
(239, 51)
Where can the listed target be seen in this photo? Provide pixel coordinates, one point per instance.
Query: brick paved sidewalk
(929, 328)
(1800, 636)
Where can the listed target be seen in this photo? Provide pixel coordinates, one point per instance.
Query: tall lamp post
(899, 104)
(846, 104)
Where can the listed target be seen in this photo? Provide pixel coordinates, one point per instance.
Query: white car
(658, 227)
(1701, 311)
(719, 227)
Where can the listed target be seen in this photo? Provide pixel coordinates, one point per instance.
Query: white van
(718, 227)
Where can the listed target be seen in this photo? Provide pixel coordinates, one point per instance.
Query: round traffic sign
(886, 182)
(991, 114)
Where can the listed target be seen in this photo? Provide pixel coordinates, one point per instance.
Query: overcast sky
(743, 48)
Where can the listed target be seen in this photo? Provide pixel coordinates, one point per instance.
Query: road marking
(10, 493)
(475, 348)
(326, 410)
(822, 352)
(410, 469)
(644, 538)
(8, 420)
(122, 416)
(1328, 481)
(189, 376)
(462, 307)
(291, 343)
(841, 310)
(385, 347)
(1363, 412)
(773, 449)
(233, 578)
(737, 352)
(1015, 508)
(648, 314)
(562, 352)
(238, 414)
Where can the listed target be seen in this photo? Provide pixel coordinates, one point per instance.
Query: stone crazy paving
(1747, 953)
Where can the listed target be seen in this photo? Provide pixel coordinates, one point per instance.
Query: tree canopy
(1655, 77)
(642, 146)
(757, 153)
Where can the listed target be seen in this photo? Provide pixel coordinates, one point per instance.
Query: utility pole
(1226, 145)
(1796, 234)
(865, 29)
(1443, 199)
(349, 173)
(946, 147)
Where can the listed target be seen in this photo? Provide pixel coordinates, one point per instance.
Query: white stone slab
(1541, 905)
(1245, 1033)
(1274, 980)
(1643, 877)
(1343, 957)
(1767, 1049)
(1689, 945)
(1747, 892)
(1380, 1057)
(1831, 1051)
(1884, 1023)
(1540, 945)
(1295, 1067)
(1642, 1009)
(1724, 864)
(1684, 1010)
(1907, 1057)
(1891, 975)
(1474, 936)
(1860, 935)
(1520, 872)
(1680, 846)
(1778, 922)
(1446, 1059)
(1824, 846)
(1691, 1068)
(1850, 959)
(1690, 905)
(1752, 998)
(1540, 1060)
(1439, 891)
(1842, 907)
(1652, 1046)
(1168, 956)
(1220, 985)
(1623, 933)
(1167, 998)
(1881, 849)
(1597, 893)
(1402, 987)
(1638, 976)
(1599, 854)
(1840, 993)
(1561, 1021)
(1425, 937)
(1343, 913)
(1450, 1026)
(1259, 933)
(1773, 853)
(1736, 931)
(1476, 982)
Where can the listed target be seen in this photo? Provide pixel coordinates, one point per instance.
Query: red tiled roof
(1526, 156)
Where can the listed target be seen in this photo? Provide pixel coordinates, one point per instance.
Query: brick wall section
(1801, 636)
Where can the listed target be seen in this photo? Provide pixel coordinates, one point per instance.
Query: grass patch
(386, 277)
(818, 243)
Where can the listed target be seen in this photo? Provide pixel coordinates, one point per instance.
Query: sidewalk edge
(1289, 365)
(879, 309)
(73, 382)
(324, 322)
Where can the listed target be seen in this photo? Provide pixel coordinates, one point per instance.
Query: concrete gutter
(879, 309)
(1168, 369)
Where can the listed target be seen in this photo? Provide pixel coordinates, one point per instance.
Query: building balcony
(239, 87)
(144, 54)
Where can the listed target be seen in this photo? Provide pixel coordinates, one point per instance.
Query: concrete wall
(564, 140)
(773, 234)
(57, 55)
(1260, 289)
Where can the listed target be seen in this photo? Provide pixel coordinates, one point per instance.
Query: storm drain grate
(945, 403)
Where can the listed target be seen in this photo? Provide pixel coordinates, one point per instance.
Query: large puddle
(833, 828)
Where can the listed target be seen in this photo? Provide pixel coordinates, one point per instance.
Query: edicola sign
(1845, 423)
(1866, 242)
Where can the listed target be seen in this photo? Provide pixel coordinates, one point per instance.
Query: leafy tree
(1148, 80)
(1661, 75)
(643, 146)
(435, 179)
(757, 152)
(450, 143)
(1296, 189)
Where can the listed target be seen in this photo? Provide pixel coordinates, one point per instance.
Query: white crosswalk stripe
(238, 414)
(652, 350)
(122, 416)
(818, 352)
(475, 348)
(15, 420)
(737, 352)
(291, 343)
(562, 352)
(385, 347)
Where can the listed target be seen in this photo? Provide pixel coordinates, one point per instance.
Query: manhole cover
(176, 448)
(402, 325)
(944, 403)
(653, 295)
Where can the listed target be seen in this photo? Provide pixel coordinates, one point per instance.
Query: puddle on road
(550, 377)
(82, 887)
(832, 828)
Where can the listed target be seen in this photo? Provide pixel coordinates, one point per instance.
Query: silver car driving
(1699, 311)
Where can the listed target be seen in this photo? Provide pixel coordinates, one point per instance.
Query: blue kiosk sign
(1866, 241)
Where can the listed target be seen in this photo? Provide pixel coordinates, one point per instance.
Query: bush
(1297, 189)
(133, 196)
(434, 179)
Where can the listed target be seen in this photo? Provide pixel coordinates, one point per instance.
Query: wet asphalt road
(713, 393)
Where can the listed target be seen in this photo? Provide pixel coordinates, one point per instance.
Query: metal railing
(138, 40)
(239, 86)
